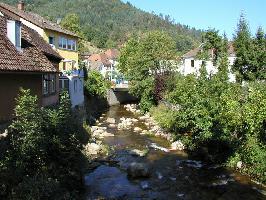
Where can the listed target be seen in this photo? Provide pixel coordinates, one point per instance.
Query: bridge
(119, 94)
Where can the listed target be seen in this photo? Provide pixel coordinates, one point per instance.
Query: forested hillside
(108, 23)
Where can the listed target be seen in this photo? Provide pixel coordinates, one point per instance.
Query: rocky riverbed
(133, 158)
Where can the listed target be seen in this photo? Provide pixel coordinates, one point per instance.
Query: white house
(73, 82)
(190, 64)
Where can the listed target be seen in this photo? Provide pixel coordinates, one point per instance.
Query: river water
(173, 174)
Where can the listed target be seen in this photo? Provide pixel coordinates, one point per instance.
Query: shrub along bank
(227, 118)
(41, 157)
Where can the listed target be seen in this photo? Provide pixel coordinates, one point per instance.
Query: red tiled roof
(112, 53)
(34, 38)
(100, 58)
(30, 59)
(35, 19)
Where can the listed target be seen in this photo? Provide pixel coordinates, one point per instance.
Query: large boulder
(177, 145)
(92, 149)
(110, 120)
(138, 170)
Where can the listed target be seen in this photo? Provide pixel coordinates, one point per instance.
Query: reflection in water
(173, 174)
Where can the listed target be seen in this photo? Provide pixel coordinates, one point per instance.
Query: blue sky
(222, 15)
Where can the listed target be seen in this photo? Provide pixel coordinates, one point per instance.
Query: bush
(227, 118)
(96, 85)
(49, 141)
(165, 117)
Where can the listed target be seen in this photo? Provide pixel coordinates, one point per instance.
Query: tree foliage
(42, 158)
(96, 85)
(106, 22)
(250, 52)
(142, 59)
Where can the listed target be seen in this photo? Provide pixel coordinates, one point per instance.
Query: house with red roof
(28, 62)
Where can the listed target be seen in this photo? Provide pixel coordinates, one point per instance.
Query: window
(75, 86)
(192, 63)
(64, 84)
(52, 83)
(51, 40)
(64, 65)
(80, 85)
(49, 84)
(60, 43)
(74, 45)
(45, 84)
(64, 43)
(73, 64)
(68, 44)
(18, 34)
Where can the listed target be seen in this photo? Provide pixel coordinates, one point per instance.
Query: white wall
(32, 26)
(76, 96)
(186, 68)
(11, 31)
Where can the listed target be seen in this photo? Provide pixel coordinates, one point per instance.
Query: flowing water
(173, 174)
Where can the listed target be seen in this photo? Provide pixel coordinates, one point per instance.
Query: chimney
(21, 5)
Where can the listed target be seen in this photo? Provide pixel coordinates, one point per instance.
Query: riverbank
(172, 173)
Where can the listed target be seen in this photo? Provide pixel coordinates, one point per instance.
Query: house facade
(28, 62)
(64, 41)
(106, 63)
(74, 84)
(191, 64)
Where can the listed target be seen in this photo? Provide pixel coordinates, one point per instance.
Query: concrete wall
(119, 97)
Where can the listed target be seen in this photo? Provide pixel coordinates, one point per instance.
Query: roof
(193, 53)
(34, 38)
(112, 53)
(100, 58)
(95, 65)
(35, 19)
(32, 57)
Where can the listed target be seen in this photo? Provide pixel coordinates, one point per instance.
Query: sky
(223, 15)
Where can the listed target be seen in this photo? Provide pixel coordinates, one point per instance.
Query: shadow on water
(172, 174)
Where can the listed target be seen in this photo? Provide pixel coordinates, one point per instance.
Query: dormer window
(51, 40)
(14, 33)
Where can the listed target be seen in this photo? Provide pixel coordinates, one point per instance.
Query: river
(172, 174)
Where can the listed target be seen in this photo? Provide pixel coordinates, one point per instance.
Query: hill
(109, 23)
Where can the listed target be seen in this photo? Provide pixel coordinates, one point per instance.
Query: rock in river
(138, 170)
(111, 120)
(110, 183)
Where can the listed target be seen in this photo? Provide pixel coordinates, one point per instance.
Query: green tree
(212, 46)
(260, 54)
(141, 59)
(244, 51)
(71, 22)
(96, 85)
